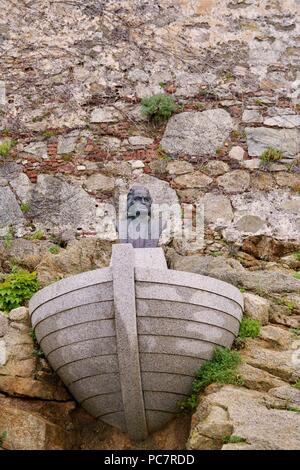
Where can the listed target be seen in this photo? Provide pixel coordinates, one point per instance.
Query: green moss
(25, 207)
(222, 368)
(5, 148)
(54, 250)
(233, 439)
(17, 288)
(249, 328)
(37, 235)
(297, 384)
(259, 102)
(158, 108)
(297, 275)
(9, 238)
(3, 436)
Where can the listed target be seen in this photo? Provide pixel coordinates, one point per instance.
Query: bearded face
(138, 202)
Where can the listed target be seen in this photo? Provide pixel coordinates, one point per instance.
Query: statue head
(138, 202)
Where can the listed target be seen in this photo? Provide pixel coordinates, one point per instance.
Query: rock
(292, 206)
(19, 314)
(137, 75)
(217, 209)
(257, 307)
(262, 181)
(211, 430)
(291, 261)
(294, 300)
(106, 114)
(237, 153)
(3, 354)
(57, 205)
(139, 141)
(26, 253)
(260, 138)
(257, 379)
(288, 121)
(193, 180)
(29, 431)
(38, 149)
(267, 248)
(276, 336)
(67, 143)
(26, 387)
(80, 255)
(12, 216)
(288, 180)
(250, 224)
(251, 115)
(197, 133)
(137, 164)
(179, 167)
(99, 183)
(234, 182)
(3, 324)
(230, 270)
(278, 316)
(288, 393)
(2, 93)
(279, 363)
(253, 164)
(118, 169)
(110, 144)
(248, 414)
(277, 208)
(216, 168)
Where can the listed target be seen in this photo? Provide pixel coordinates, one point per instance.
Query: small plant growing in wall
(37, 235)
(158, 108)
(3, 436)
(25, 207)
(9, 238)
(233, 439)
(5, 148)
(271, 155)
(222, 368)
(249, 328)
(17, 288)
(54, 250)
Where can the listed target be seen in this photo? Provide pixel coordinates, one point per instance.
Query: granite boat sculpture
(127, 340)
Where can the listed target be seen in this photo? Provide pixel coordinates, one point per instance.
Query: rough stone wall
(72, 77)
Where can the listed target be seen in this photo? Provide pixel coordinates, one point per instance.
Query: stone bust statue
(139, 227)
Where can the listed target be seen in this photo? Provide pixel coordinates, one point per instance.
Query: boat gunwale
(185, 279)
(62, 287)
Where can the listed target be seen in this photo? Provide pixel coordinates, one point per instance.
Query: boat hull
(127, 340)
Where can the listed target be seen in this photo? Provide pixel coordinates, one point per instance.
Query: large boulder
(260, 138)
(197, 133)
(230, 270)
(258, 420)
(80, 255)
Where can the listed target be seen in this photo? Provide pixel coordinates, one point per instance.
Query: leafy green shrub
(158, 108)
(271, 155)
(222, 368)
(249, 328)
(17, 288)
(233, 439)
(297, 276)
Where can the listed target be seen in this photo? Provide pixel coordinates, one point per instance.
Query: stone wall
(72, 78)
